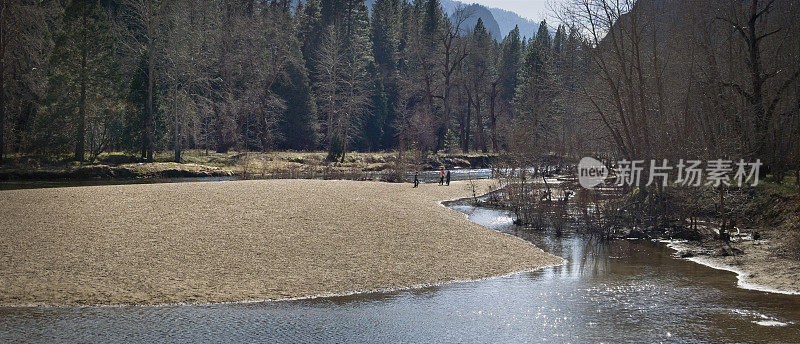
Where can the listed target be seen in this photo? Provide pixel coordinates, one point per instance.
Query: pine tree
(534, 99)
(385, 34)
(375, 122)
(356, 78)
(559, 40)
(543, 39)
(510, 63)
(433, 17)
(24, 49)
(298, 124)
(479, 66)
(84, 75)
(386, 41)
(310, 29)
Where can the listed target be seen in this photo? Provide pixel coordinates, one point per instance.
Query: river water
(623, 291)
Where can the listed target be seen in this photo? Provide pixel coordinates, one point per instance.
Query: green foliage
(83, 84)
(386, 33)
(451, 141)
(336, 150)
(535, 95)
(510, 63)
(375, 119)
(134, 125)
(433, 17)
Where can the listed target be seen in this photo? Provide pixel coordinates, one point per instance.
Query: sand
(241, 241)
(758, 266)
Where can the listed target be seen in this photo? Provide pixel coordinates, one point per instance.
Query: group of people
(444, 178)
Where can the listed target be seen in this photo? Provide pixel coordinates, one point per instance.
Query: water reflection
(623, 291)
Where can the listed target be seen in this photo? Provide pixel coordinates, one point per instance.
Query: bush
(336, 149)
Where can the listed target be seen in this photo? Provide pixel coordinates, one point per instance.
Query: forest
(634, 79)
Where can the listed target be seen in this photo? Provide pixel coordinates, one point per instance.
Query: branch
(737, 27)
(766, 9)
(781, 90)
(768, 34)
(741, 91)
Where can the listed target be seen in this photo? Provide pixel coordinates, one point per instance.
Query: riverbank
(242, 241)
(769, 213)
(295, 165)
(757, 263)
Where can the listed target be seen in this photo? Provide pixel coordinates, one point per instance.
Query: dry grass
(242, 240)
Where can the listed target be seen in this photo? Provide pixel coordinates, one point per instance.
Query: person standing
(441, 177)
(448, 178)
(416, 179)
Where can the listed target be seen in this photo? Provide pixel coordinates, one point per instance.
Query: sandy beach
(242, 241)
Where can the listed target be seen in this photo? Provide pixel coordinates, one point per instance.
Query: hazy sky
(532, 9)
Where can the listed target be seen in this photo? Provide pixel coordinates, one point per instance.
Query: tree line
(142, 76)
(635, 79)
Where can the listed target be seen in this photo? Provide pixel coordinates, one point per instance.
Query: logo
(591, 172)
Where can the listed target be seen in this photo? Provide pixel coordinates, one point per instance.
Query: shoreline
(276, 165)
(299, 298)
(451, 250)
(749, 266)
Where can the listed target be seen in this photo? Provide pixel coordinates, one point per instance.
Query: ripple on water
(760, 319)
(616, 292)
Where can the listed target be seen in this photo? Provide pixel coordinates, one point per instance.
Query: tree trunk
(2, 86)
(81, 131)
(150, 125)
(2, 101)
(723, 234)
(468, 122)
(177, 133)
(479, 125)
(756, 80)
(222, 147)
(461, 120)
(493, 117)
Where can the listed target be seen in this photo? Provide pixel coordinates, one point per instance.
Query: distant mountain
(506, 20)
(498, 22)
(478, 11)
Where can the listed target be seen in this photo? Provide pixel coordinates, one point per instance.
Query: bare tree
(754, 30)
(23, 28)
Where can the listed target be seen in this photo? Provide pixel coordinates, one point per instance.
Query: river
(622, 291)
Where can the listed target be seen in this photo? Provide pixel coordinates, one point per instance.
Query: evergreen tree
(559, 40)
(433, 17)
(543, 38)
(310, 29)
(385, 34)
(297, 126)
(510, 62)
(133, 135)
(84, 79)
(375, 122)
(479, 67)
(386, 42)
(534, 99)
